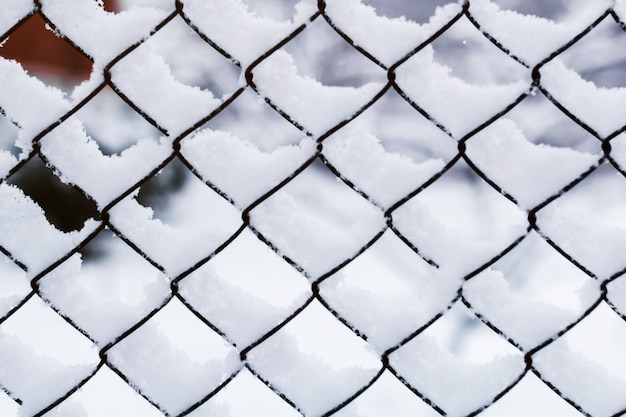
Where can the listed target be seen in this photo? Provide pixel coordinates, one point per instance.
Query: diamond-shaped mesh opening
(599, 369)
(589, 104)
(386, 162)
(106, 289)
(495, 151)
(595, 218)
(328, 90)
(551, 290)
(402, 291)
(263, 127)
(240, 297)
(543, 123)
(36, 358)
(64, 206)
(80, 161)
(317, 232)
(472, 58)
(320, 42)
(385, 28)
(532, 32)
(205, 67)
(44, 55)
(113, 124)
(183, 62)
(315, 386)
(170, 222)
(446, 222)
(444, 84)
(192, 355)
(458, 353)
(245, 160)
(241, 33)
(594, 60)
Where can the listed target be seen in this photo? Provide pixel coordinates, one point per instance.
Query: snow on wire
(312, 209)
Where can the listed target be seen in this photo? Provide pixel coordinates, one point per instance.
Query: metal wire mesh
(398, 334)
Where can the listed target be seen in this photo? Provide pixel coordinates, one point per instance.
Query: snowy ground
(484, 240)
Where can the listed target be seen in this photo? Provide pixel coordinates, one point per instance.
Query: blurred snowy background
(408, 209)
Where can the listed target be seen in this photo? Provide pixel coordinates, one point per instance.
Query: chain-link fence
(278, 209)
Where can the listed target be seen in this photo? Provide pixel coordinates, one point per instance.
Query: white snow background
(455, 248)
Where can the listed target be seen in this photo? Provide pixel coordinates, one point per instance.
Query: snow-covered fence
(277, 208)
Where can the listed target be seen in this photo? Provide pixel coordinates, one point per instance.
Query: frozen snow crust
(312, 208)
